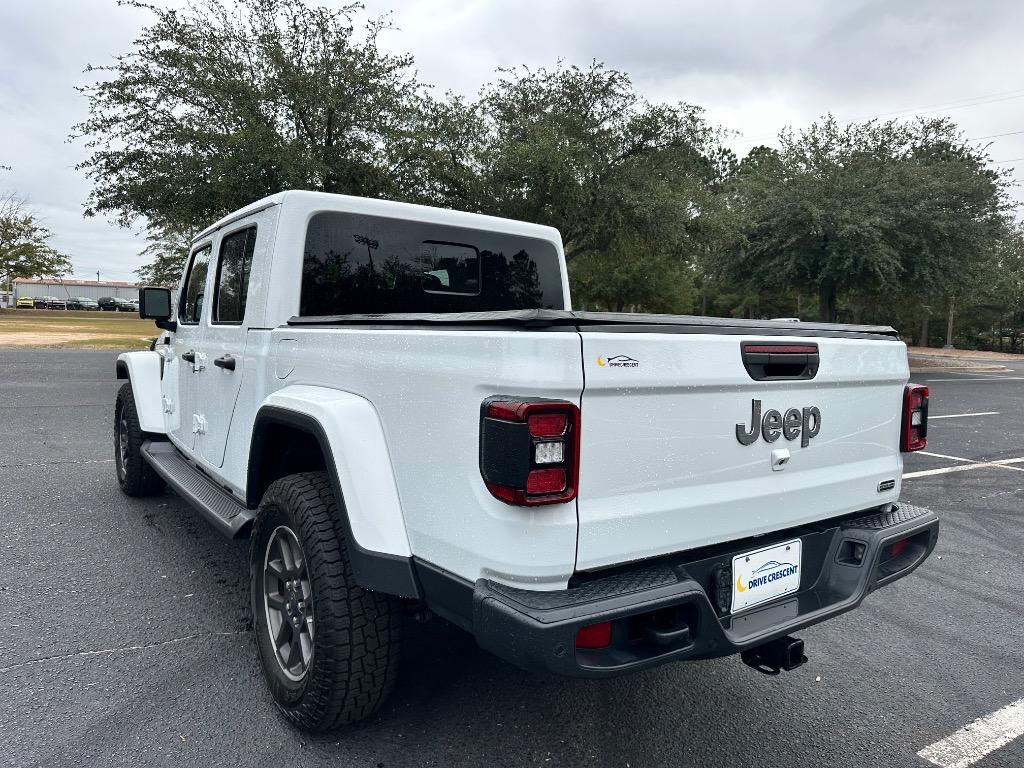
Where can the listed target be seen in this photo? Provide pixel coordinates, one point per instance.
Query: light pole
(370, 244)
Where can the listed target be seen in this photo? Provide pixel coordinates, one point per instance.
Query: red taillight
(914, 434)
(548, 424)
(897, 547)
(529, 450)
(595, 636)
(545, 481)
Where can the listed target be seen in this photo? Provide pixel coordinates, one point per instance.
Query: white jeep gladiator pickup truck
(399, 407)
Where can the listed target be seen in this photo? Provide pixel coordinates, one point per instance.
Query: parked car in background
(107, 303)
(49, 302)
(123, 305)
(83, 303)
(25, 302)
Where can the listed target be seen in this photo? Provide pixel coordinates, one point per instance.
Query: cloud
(754, 66)
(44, 46)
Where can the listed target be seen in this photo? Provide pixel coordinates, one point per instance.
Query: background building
(68, 287)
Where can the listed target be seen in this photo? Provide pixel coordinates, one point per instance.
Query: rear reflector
(595, 636)
(914, 432)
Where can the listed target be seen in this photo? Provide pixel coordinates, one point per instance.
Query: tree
(167, 249)
(25, 250)
(578, 149)
(634, 275)
(222, 103)
(865, 209)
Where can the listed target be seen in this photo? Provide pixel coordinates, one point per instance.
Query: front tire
(329, 649)
(134, 474)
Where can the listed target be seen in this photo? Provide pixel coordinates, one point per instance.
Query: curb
(961, 369)
(920, 356)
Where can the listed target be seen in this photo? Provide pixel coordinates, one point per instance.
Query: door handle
(227, 362)
(189, 357)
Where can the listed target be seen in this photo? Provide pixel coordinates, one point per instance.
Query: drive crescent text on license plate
(765, 574)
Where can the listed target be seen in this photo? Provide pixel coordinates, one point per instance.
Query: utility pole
(97, 275)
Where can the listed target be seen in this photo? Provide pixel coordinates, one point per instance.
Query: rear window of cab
(354, 264)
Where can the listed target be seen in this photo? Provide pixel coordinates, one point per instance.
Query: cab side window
(232, 284)
(190, 307)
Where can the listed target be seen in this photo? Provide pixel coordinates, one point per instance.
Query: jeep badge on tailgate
(804, 424)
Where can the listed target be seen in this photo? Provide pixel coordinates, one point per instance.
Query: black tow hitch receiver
(785, 653)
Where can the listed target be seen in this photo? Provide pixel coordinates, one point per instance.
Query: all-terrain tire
(135, 475)
(356, 642)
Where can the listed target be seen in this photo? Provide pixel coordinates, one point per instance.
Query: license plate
(765, 574)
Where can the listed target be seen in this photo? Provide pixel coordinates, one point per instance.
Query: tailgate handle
(779, 361)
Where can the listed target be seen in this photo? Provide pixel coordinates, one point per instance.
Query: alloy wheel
(288, 602)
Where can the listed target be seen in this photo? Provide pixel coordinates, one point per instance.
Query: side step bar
(226, 514)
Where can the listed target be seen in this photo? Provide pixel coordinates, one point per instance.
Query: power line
(994, 136)
(975, 101)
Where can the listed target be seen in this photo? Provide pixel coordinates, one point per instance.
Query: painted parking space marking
(987, 378)
(963, 415)
(971, 461)
(972, 742)
(965, 465)
(941, 471)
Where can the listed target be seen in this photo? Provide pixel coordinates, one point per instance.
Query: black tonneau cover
(606, 322)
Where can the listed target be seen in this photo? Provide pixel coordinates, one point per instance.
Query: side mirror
(155, 304)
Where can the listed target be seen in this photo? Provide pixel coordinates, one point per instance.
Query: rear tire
(134, 474)
(330, 657)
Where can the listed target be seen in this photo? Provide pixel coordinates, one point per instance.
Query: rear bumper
(676, 608)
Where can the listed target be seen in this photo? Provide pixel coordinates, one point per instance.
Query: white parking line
(951, 458)
(990, 378)
(967, 464)
(972, 461)
(940, 471)
(972, 742)
(964, 415)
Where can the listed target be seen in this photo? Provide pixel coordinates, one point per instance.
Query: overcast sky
(754, 66)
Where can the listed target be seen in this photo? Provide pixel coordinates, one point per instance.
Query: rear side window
(356, 264)
(190, 307)
(232, 285)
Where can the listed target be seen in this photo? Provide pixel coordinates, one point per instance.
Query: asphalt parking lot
(125, 636)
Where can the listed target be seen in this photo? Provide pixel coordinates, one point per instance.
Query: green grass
(74, 329)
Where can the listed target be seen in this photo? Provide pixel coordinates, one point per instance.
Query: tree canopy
(25, 249)
(865, 207)
(221, 102)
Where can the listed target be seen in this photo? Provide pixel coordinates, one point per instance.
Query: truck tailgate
(662, 469)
